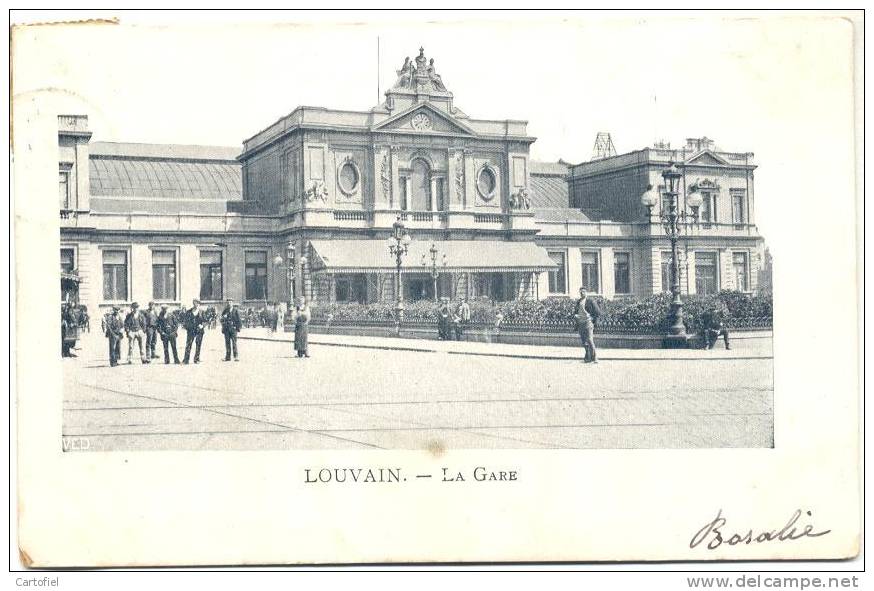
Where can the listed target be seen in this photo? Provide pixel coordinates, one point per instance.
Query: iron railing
(551, 326)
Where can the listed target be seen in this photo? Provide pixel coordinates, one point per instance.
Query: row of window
(416, 189)
(590, 272)
(165, 267)
(352, 287)
(706, 272)
(708, 211)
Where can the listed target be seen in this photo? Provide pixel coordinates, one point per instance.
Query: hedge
(736, 309)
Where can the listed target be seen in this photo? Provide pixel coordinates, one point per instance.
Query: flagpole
(377, 69)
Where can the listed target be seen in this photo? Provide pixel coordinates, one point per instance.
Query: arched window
(420, 190)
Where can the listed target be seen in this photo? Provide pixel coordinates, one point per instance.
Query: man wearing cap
(168, 327)
(586, 315)
(151, 315)
(135, 324)
(114, 331)
(194, 323)
(231, 325)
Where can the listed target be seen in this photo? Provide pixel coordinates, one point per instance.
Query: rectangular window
(256, 275)
(404, 184)
(708, 208)
(211, 275)
(557, 277)
(64, 188)
(68, 260)
(115, 275)
(591, 274)
(497, 289)
(350, 288)
(441, 195)
(164, 275)
(622, 272)
(741, 271)
(667, 280)
(738, 215)
(706, 275)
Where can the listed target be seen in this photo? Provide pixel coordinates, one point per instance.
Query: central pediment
(424, 118)
(706, 158)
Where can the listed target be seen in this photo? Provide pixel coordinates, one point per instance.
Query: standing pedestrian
(462, 318)
(135, 324)
(444, 321)
(301, 319)
(586, 314)
(151, 331)
(231, 325)
(168, 328)
(280, 317)
(114, 324)
(195, 320)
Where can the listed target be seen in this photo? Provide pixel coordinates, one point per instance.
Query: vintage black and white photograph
(439, 237)
(411, 273)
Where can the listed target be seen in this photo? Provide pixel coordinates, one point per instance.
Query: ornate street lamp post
(398, 245)
(674, 222)
(289, 264)
(435, 269)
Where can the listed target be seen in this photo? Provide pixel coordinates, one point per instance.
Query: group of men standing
(449, 321)
(143, 327)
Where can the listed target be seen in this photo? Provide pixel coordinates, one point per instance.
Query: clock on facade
(421, 122)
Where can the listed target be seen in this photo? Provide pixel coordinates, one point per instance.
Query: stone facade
(726, 243)
(175, 223)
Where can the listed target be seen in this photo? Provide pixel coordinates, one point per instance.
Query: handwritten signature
(712, 533)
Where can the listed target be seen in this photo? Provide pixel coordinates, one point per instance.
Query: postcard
(538, 287)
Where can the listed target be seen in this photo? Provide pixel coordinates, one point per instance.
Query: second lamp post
(673, 221)
(289, 265)
(435, 268)
(398, 245)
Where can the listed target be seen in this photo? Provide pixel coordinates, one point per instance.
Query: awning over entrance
(483, 256)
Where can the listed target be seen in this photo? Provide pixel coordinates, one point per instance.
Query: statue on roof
(436, 80)
(421, 62)
(419, 74)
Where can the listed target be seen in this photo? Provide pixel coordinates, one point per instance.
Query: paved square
(360, 398)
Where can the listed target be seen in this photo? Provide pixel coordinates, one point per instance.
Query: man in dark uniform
(586, 314)
(231, 325)
(114, 332)
(444, 321)
(194, 323)
(151, 331)
(168, 327)
(135, 324)
(714, 328)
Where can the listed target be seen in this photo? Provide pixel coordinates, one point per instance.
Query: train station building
(306, 205)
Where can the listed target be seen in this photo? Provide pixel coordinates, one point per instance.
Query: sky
(777, 85)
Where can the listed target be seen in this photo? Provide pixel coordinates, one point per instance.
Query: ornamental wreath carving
(317, 191)
(385, 177)
(520, 199)
(459, 176)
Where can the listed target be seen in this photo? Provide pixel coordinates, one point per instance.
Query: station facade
(172, 223)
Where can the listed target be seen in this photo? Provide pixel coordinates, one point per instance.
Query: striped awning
(359, 256)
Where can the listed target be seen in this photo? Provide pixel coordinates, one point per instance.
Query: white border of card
(246, 508)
